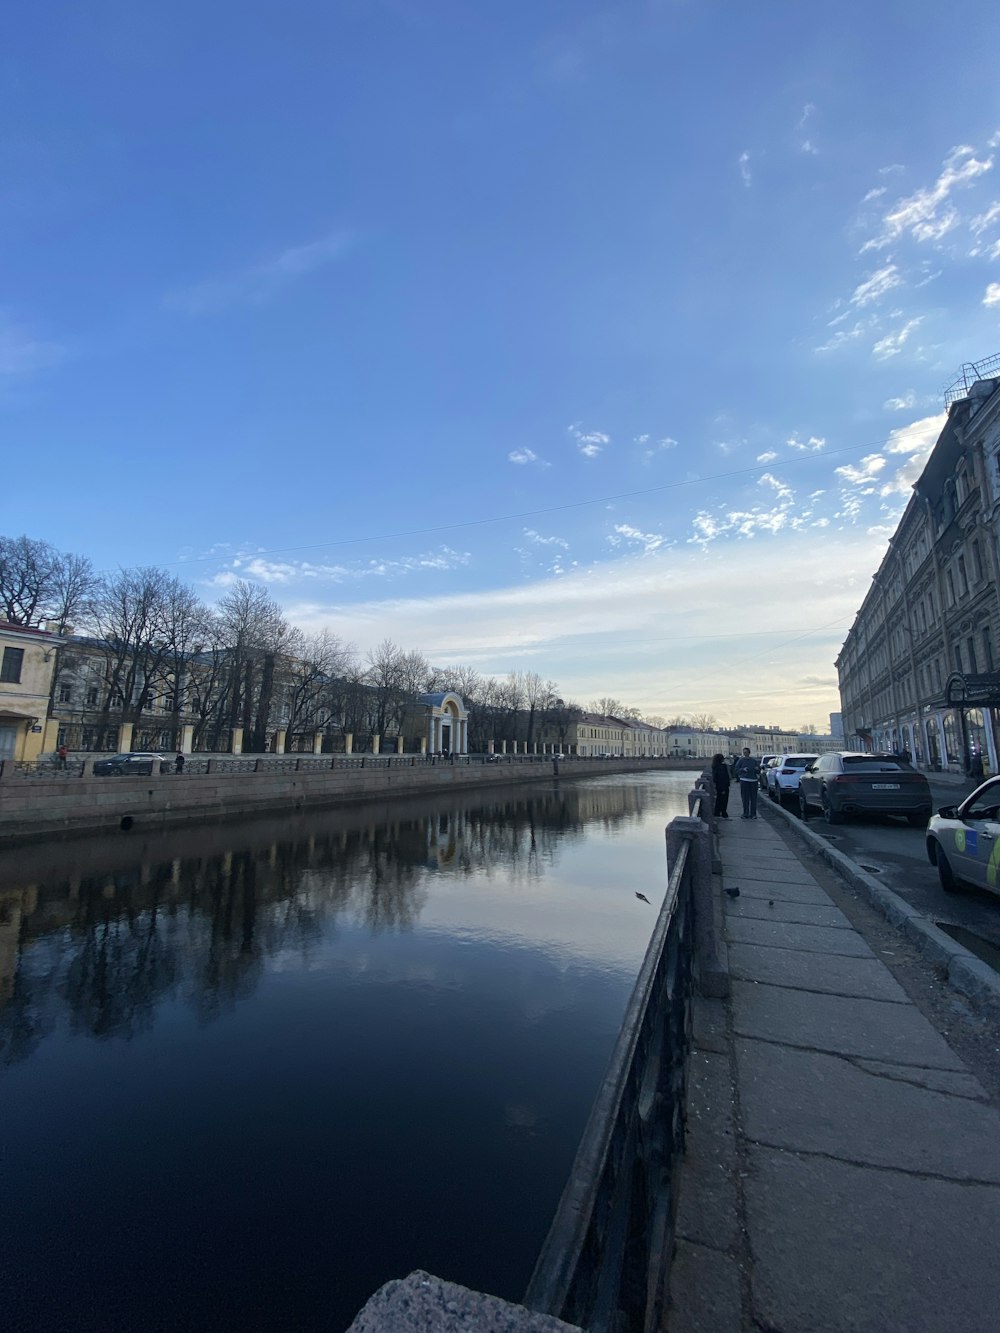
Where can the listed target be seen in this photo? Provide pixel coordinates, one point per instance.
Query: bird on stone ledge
(733, 892)
(642, 897)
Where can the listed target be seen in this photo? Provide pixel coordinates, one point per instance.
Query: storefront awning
(982, 691)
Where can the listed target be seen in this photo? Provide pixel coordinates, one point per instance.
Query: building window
(65, 693)
(977, 563)
(10, 669)
(963, 581)
(951, 588)
(987, 649)
(970, 650)
(92, 698)
(958, 657)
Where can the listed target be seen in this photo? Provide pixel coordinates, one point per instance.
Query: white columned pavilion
(447, 723)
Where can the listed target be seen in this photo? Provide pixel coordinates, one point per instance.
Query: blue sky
(602, 341)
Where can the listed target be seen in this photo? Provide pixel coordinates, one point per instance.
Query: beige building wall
(27, 660)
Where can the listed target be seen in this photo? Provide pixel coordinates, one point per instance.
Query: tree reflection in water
(196, 914)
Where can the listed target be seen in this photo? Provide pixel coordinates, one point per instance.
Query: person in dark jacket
(748, 772)
(720, 777)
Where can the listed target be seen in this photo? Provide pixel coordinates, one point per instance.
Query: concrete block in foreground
(422, 1303)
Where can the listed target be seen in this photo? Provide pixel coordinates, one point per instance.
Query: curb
(966, 973)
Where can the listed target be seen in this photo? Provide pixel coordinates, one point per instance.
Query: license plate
(885, 786)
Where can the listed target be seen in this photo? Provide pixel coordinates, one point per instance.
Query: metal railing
(605, 1260)
(77, 766)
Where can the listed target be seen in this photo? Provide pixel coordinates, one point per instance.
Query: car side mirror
(809, 768)
(948, 812)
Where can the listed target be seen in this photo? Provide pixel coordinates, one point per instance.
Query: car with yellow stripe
(963, 840)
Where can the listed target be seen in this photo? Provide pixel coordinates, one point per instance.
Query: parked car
(137, 762)
(963, 841)
(846, 782)
(782, 777)
(766, 760)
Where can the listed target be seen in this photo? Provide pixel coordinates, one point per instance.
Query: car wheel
(945, 873)
(775, 793)
(803, 807)
(829, 814)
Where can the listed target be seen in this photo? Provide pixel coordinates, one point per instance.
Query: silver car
(963, 841)
(783, 775)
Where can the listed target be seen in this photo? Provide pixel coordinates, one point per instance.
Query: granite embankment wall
(38, 807)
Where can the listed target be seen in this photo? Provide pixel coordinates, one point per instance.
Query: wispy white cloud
(260, 283)
(844, 336)
(624, 534)
(928, 214)
(768, 456)
(876, 193)
(892, 343)
(806, 144)
(983, 221)
(745, 173)
(900, 404)
(536, 539)
(876, 285)
(916, 441)
(525, 456)
(992, 296)
(863, 473)
(23, 354)
(651, 447)
(589, 443)
(262, 568)
(545, 553)
(814, 444)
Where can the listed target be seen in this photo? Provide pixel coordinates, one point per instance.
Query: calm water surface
(248, 1073)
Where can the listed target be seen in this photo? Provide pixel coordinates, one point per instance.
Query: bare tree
(654, 720)
(39, 583)
(395, 677)
(678, 720)
(704, 721)
(312, 665)
(607, 706)
(257, 632)
(535, 694)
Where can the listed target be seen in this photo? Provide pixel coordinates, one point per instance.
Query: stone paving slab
(705, 1294)
(777, 909)
(783, 872)
(708, 1206)
(801, 892)
(897, 1033)
(839, 1248)
(863, 977)
(939, 1080)
(811, 1102)
(787, 935)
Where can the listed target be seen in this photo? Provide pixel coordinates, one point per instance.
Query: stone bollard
(710, 965)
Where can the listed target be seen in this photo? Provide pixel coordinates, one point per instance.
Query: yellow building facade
(27, 660)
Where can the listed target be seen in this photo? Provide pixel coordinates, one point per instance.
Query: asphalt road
(897, 854)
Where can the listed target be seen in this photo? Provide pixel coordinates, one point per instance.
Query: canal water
(250, 1072)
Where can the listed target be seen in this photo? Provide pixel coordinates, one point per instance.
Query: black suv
(852, 783)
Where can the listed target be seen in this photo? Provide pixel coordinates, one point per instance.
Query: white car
(783, 775)
(963, 841)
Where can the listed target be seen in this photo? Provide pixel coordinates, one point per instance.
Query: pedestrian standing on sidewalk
(720, 776)
(748, 771)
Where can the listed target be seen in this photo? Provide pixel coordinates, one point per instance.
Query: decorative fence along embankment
(605, 1261)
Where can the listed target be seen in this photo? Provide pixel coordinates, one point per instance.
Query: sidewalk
(843, 1166)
